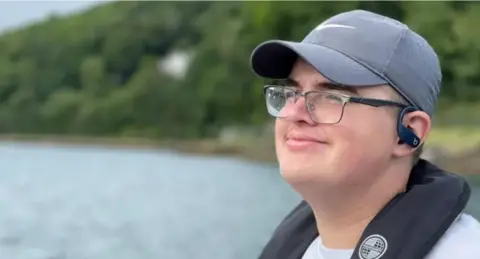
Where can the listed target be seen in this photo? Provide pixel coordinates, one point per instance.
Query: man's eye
(327, 99)
(333, 98)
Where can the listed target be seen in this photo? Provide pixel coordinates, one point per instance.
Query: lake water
(89, 202)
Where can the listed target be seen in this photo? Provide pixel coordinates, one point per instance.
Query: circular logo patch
(373, 247)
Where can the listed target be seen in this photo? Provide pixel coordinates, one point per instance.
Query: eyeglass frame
(344, 97)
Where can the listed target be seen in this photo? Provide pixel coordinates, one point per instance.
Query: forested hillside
(98, 73)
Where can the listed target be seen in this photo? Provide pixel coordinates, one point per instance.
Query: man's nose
(296, 110)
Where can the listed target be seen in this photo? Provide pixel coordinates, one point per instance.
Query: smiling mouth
(298, 144)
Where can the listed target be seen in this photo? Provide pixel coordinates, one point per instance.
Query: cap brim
(275, 59)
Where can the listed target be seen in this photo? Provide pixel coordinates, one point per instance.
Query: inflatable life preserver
(407, 227)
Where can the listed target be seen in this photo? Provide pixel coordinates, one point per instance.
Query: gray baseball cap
(360, 48)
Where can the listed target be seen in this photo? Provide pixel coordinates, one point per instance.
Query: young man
(353, 110)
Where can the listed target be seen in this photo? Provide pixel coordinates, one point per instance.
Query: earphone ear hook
(405, 134)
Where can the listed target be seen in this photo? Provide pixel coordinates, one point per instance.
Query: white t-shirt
(460, 241)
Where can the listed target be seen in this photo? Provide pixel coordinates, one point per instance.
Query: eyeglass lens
(322, 107)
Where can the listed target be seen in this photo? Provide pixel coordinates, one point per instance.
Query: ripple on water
(84, 203)
(80, 202)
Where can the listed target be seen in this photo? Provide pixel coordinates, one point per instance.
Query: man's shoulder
(461, 240)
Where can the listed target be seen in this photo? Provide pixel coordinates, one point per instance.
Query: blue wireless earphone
(405, 134)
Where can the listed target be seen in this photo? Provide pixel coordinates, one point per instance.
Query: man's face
(348, 152)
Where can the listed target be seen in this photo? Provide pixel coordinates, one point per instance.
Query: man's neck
(341, 218)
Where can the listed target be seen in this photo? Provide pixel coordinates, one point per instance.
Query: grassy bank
(252, 149)
(454, 140)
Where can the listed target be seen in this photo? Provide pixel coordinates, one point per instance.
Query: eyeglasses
(323, 106)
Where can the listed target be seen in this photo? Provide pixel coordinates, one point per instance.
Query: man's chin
(295, 177)
(308, 168)
(313, 181)
(298, 172)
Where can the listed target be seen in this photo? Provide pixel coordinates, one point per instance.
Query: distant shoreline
(255, 150)
(250, 151)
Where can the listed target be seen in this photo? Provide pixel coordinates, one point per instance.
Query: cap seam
(398, 89)
(394, 50)
(378, 73)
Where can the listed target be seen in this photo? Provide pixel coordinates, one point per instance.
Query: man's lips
(301, 141)
(302, 137)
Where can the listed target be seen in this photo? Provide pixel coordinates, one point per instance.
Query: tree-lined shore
(178, 72)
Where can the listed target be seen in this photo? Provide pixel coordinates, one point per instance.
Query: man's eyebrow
(321, 85)
(338, 87)
(286, 82)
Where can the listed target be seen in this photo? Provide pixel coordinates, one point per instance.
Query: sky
(17, 13)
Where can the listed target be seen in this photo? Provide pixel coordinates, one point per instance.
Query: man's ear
(419, 123)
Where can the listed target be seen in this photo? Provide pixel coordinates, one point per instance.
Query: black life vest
(406, 228)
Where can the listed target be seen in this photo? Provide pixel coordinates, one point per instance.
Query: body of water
(99, 203)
